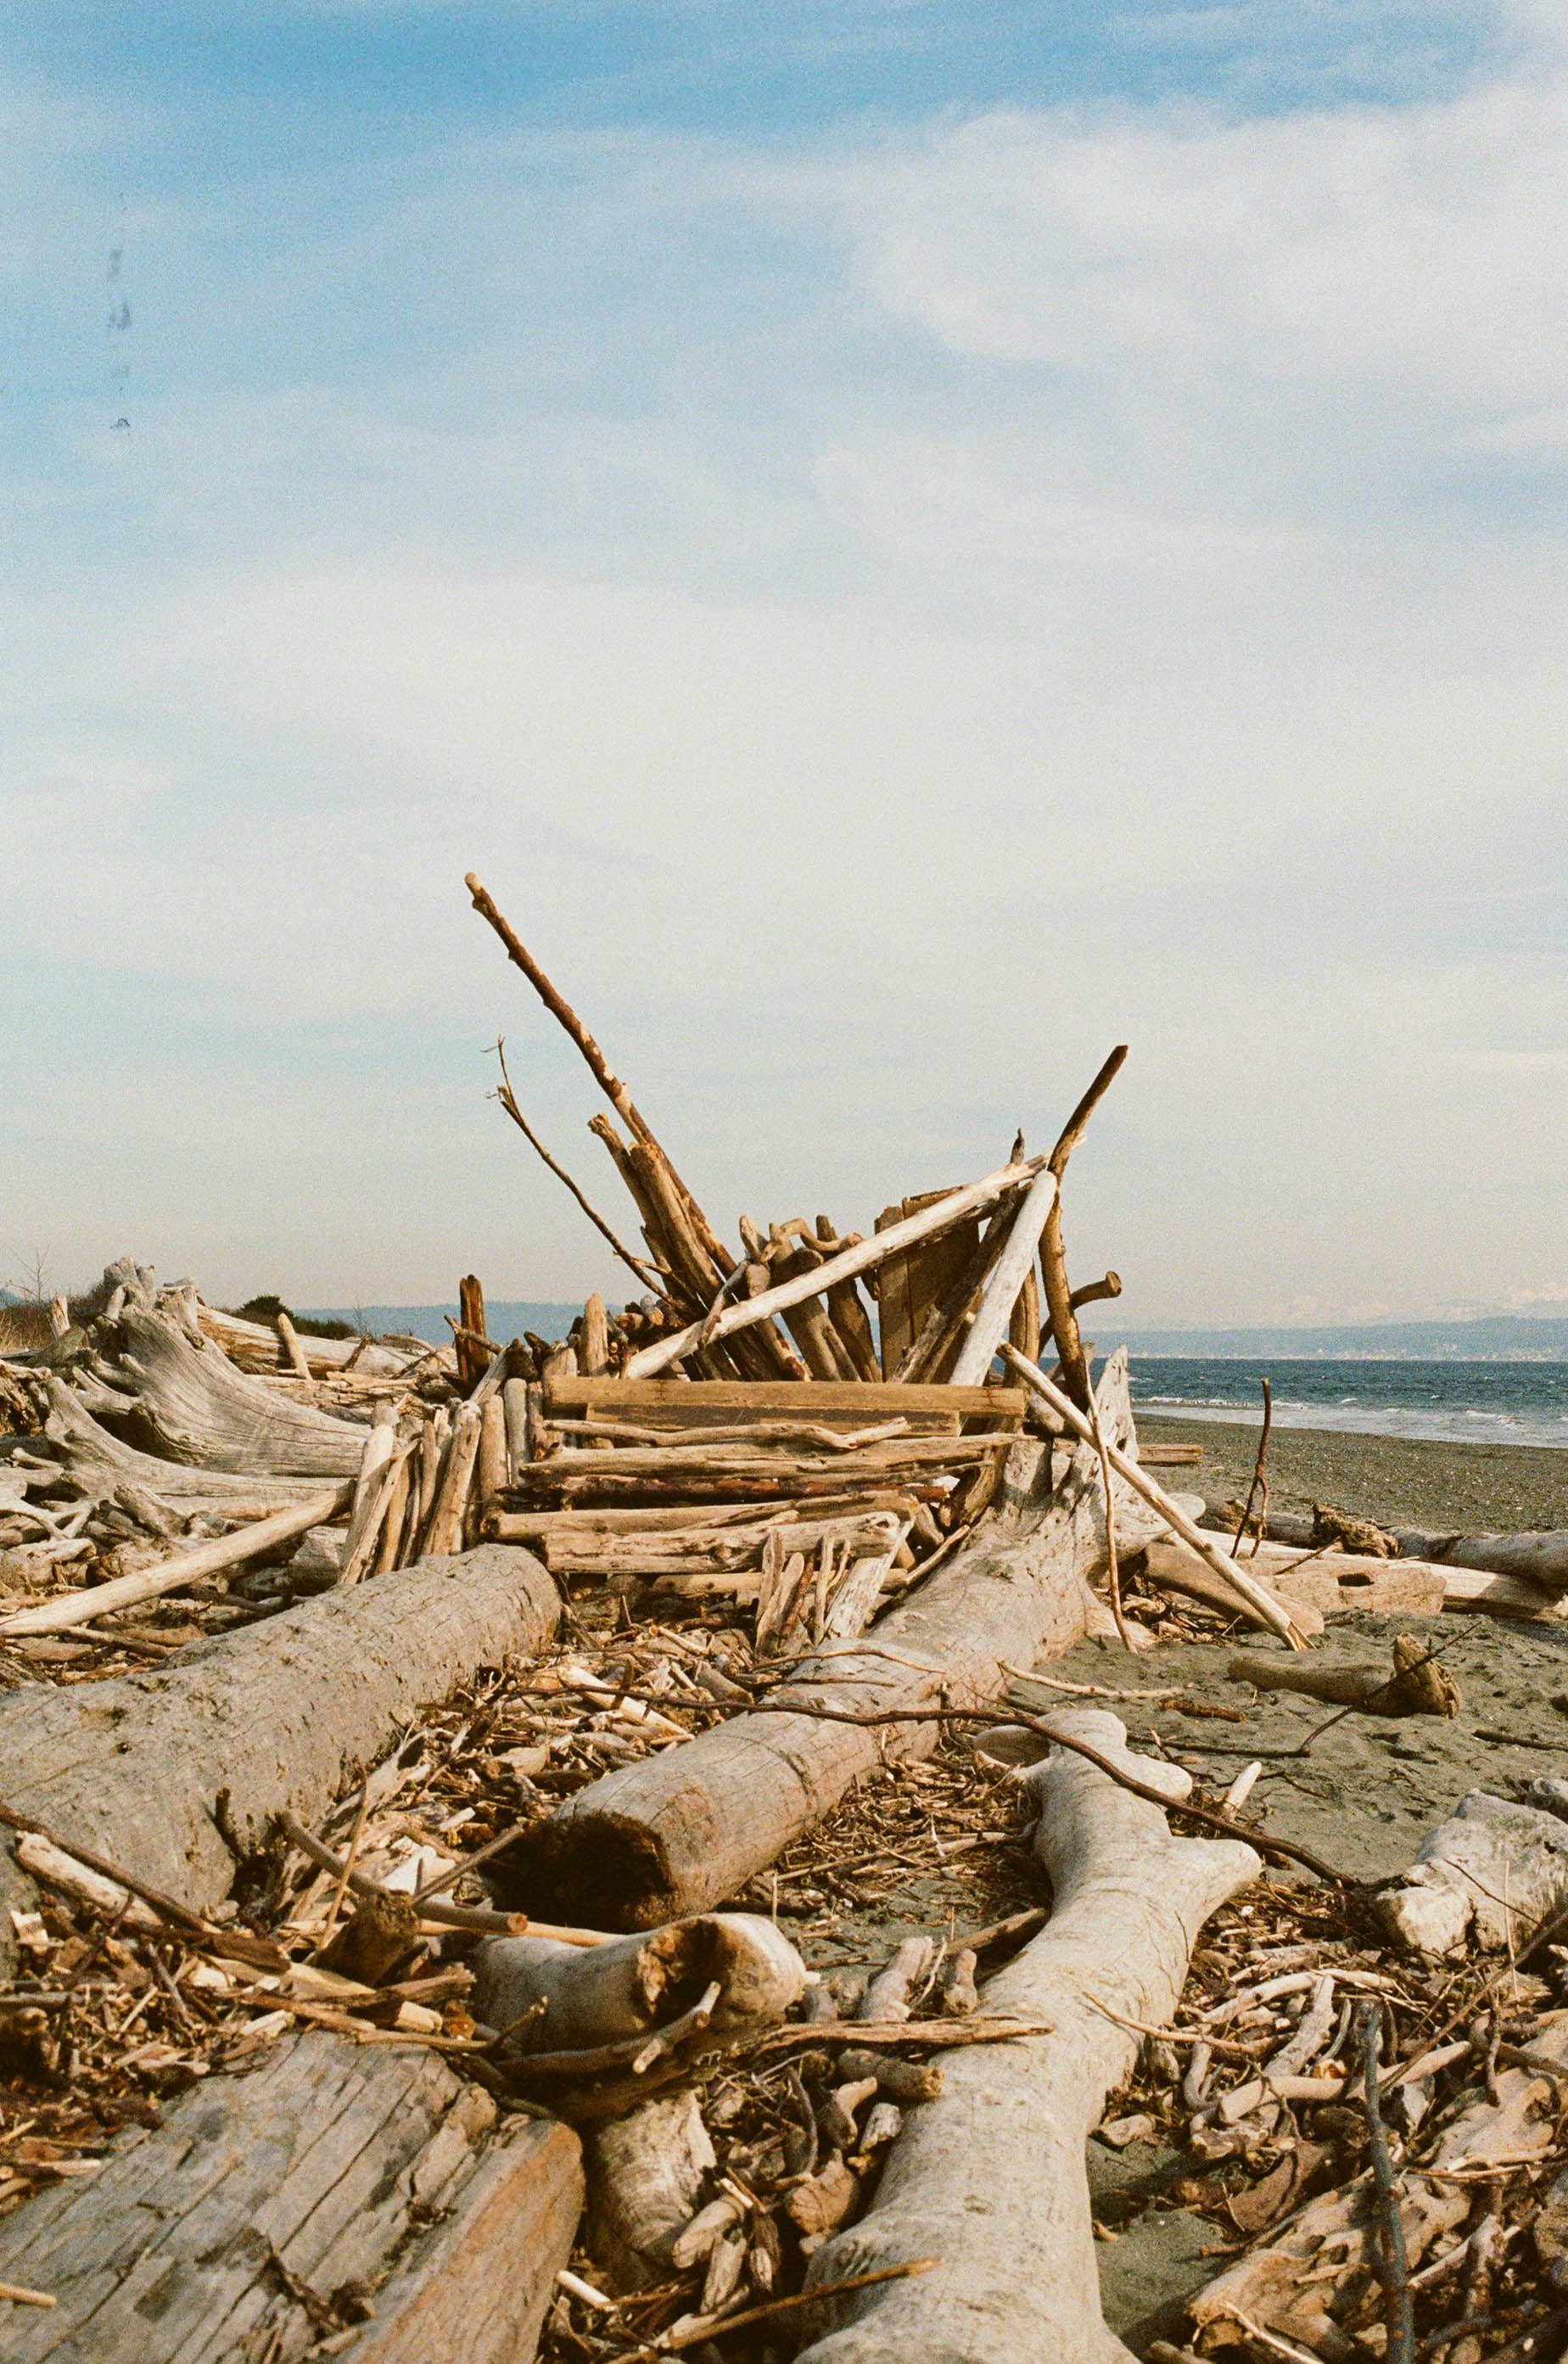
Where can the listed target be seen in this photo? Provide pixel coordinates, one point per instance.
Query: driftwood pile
(558, 1839)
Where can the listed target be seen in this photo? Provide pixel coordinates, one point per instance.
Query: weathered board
(270, 2208)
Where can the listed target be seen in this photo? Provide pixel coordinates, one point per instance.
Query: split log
(181, 1397)
(180, 1567)
(683, 1830)
(848, 1265)
(132, 1768)
(334, 2180)
(989, 2179)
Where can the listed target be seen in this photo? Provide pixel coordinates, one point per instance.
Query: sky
(905, 545)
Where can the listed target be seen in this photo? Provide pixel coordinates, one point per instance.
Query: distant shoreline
(1399, 1481)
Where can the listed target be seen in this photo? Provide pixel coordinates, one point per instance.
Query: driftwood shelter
(399, 1746)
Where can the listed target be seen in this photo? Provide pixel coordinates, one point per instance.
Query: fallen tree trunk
(256, 1346)
(132, 1768)
(685, 1829)
(628, 1986)
(989, 2179)
(272, 2208)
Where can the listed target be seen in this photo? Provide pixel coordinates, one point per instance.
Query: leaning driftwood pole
(989, 2177)
(133, 1767)
(183, 1567)
(864, 1257)
(1052, 1255)
(1276, 1619)
(682, 1830)
(1006, 1285)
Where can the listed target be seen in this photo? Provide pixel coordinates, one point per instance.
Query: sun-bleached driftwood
(1319, 2272)
(1417, 1684)
(98, 1463)
(989, 2179)
(630, 1986)
(133, 1767)
(373, 2176)
(257, 1346)
(1538, 1559)
(646, 2172)
(181, 1568)
(1002, 1291)
(688, 1827)
(176, 1394)
(846, 1267)
(1484, 1877)
(1170, 1566)
(1229, 1571)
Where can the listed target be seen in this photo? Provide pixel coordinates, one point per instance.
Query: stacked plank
(801, 1499)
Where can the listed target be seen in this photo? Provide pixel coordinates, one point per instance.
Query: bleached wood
(341, 2161)
(685, 1829)
(997, 2159)
(291, 1346)
(1206, 1546)
(181, 1568)
(130, 1767)
(1001, 1293)
(845, 1266)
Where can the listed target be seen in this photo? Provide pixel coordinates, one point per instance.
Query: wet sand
(1397, 1480)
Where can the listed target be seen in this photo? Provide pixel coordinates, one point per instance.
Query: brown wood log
(473, 1362)
(911, 1284)
(1024, 1330)
(1000, 2151)
(851, 1319)
(132, 1766)
(368, 2168)
(1052, 1255)
(680, 1403)
(595, 1355)
(687, 1828)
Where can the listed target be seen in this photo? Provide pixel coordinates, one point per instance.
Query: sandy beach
(1397, 1480)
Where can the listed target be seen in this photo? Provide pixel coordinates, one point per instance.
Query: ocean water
(1450, 1403)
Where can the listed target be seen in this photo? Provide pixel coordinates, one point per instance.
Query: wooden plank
(837, 1403)
(333, 2159)
(910, 1284)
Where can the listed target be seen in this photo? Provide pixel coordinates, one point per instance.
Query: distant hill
(503, 1319)
(1489, 1338)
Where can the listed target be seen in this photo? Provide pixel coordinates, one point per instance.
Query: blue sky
(905, 545)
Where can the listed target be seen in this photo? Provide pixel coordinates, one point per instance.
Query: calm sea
(1451, 1402)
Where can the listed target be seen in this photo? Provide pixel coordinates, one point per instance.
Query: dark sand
(1492, 1489)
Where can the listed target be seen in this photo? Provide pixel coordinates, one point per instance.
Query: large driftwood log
(687, 1828)
(596, 1994)
(257, 1346)
(132, 1768)
(1540, 1560)
(98, 1463)
(350, 2173)
(176, 1394)
(989, 2178)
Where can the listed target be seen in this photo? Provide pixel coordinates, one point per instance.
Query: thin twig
(1260, 1477)
(507, 1097)
(1113, 1571)
(1392, 2262)
(348, 1871)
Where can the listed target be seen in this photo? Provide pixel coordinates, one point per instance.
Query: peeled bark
(683, 1830)
(132, 1768)
(365, 2168)
(989, 2179)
